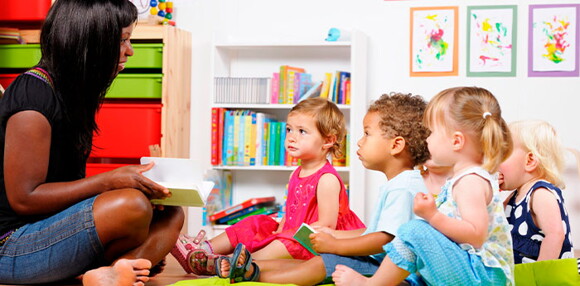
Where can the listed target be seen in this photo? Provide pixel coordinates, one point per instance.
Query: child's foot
(125, 272)
(344, 275)
(225, 269)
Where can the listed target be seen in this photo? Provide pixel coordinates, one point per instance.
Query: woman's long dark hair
(81, 42)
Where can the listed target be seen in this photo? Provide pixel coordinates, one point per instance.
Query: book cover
(302, 236)
(183, 178)
(326, 85)
(243, 205)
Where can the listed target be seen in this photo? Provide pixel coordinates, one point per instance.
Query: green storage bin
(136, 86)
(19, 56)
(146, 56)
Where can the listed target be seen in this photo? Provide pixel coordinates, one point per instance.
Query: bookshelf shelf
(267, 106)
(254, 45)
(260, 59)
(269, 168)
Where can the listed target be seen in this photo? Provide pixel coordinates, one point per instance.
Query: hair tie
(486, 114)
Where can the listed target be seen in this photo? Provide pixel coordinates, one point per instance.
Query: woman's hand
(132, 177)
(424, 206)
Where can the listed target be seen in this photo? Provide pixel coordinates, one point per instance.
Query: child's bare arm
(280, 225)
(368, 244)
(327, 195)
(546, 214)
(470, 193)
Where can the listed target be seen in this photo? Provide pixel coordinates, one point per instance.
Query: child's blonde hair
(329, 120)
(476, 112)
(401, 115)
(541, 139)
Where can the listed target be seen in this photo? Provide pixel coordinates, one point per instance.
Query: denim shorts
(56, 248)
(364, 265)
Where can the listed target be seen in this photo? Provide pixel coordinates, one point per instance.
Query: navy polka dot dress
(527, 237)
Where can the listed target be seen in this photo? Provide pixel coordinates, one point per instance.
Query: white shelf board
(269, 168)
(266, 106)
(253, 45)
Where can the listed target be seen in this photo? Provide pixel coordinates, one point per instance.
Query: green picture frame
(491, 41)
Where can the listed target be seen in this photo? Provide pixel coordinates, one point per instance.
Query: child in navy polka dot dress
(536, 211)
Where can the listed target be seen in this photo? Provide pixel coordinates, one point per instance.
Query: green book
(302, 236)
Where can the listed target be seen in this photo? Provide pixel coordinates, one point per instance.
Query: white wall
(556, 100)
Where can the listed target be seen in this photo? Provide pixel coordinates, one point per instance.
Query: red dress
(255, 232)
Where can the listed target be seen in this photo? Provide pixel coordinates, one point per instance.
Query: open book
(183, 178)
(302, 236)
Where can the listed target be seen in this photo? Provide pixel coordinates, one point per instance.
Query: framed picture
(553, 40)
(491, 40)
(433, 41)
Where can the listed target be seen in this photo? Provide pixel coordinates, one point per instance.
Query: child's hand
(324, 229)
(424, 206)
(322, 242)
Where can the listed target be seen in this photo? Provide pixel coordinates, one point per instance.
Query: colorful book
(326, 85)
(283, 81)
(214, 136)
(241, 206)
(302, 235)
(229, 130)
(262, 210)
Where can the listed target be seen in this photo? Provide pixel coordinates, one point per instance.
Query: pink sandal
(195, 255)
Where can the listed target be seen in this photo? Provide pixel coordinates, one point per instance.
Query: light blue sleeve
(397, 210)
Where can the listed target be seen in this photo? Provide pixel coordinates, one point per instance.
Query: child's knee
(413, 229)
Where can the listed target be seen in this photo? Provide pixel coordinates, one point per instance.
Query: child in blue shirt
(394, 141)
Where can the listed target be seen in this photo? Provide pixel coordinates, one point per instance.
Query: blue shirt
(395, 204)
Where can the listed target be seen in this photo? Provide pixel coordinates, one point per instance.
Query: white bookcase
(261, 59)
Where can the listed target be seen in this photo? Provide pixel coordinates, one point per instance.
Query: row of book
(292, 85)
(242, 137)
(242, 90)
(236, 213)
(10, 36)
(289, 86)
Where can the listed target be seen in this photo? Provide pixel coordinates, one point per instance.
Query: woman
(54, 222)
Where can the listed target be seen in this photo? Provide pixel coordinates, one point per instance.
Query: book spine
(272, 143)
(236, 136)
(266, 143)
(326, 85)
(282, 149)
(214, 136)
(282, 84)
(253, 135)
(221, 114)
(274, 87)
(229, 137)
(259, 138)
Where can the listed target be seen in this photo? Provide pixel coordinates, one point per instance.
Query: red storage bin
(6, 79)
(96, 168)
(24, 10)
(127, 130)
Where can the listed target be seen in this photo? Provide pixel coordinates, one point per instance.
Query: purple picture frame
(531, 72)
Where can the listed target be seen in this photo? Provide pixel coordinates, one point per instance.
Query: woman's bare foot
(124, 272)
(344, 275)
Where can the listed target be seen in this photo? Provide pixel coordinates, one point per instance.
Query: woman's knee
(127, 206)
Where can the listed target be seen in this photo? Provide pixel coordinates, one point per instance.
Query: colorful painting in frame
(433, 41)
(491, 40)
(553, 40)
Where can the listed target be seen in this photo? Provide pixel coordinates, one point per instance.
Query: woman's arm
(26, 159)
(471, 195)
(546, 214)
(327, 195)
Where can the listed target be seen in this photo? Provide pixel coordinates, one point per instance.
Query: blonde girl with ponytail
(463, 237)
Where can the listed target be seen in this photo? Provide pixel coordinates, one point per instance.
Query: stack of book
(245, 209)
(10, 36)
(241, 89)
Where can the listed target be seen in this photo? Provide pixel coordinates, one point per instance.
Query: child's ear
(329, 142)
(458, 140)
(398, 145)
(531, 162)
